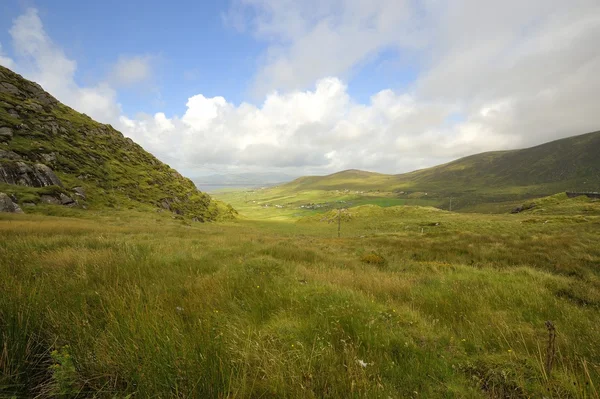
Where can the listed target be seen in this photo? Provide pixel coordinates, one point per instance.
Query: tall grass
(144, 305)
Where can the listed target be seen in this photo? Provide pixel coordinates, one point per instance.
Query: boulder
(7, 205)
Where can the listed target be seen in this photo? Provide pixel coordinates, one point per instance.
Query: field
(410, 302)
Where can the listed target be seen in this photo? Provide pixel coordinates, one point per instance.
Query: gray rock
(49, 158)
(6, 133)
(28, 204)
(14, 114)
(80, 192)
(66, 200)
(48, 199)
(46, 175)
(23, 174)
(35, 107)
(7, 205)
(13, 156)
(52, 127)
(9, 88)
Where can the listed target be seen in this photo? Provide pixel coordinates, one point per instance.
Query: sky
(315, 86)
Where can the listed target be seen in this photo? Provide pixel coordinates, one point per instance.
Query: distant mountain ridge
(571, 163)
(51, 154)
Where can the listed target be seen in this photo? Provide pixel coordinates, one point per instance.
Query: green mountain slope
(568, 164)
(51, 154)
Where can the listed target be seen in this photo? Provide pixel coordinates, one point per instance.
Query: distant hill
(568, 164)
(51, 154)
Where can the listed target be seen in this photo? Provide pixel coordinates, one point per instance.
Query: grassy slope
(114, 171)
(567, 164)
(436, 304)
(493, 181)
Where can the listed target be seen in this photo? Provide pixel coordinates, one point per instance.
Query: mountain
(51, 154)
(347, 179)
(572, 163)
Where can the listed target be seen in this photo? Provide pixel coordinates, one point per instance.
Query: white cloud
(313, 38)
(319, 130)
(4, 60)
(518, 73)
(493, 76)
(132, 70)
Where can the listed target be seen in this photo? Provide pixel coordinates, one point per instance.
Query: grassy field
(409, 302)
(279, 203)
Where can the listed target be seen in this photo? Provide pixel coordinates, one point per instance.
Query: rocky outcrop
(7, 204)
(23, 174)
(26, 90)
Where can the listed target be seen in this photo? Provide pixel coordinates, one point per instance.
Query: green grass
(409, 302)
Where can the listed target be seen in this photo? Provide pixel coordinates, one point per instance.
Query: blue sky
(192, 47)
(319, 85)
(217, 60)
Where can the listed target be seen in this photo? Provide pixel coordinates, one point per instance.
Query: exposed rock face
(7, 205)
(28, 90)
(23, 174)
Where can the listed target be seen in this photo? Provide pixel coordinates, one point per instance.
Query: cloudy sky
(316, 86)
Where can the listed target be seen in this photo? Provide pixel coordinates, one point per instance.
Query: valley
(120, 279)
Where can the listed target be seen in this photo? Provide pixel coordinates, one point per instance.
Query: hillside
(567, 164)
(53, 155)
